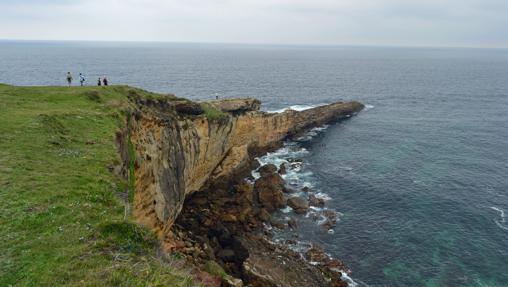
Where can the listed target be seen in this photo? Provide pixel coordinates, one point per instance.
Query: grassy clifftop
(61, 217)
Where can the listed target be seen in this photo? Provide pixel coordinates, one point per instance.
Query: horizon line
(317, 45)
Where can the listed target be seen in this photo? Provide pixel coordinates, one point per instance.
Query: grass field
(61, 214)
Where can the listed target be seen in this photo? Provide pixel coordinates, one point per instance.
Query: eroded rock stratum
(180, 147)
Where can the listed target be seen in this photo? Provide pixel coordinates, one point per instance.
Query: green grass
(212, 113)
(61, 219)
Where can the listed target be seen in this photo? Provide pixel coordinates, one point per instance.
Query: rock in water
(316, 254)
(282, 168)
(315, 201)
(267, 169)
(298, 204)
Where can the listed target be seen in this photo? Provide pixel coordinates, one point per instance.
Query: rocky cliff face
(180, 148)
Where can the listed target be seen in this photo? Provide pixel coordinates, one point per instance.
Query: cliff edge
(178, 165)
(180, 148)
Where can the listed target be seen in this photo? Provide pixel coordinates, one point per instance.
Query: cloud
(372, 22)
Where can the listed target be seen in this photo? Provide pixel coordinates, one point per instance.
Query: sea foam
(297, 108)
(500, 223)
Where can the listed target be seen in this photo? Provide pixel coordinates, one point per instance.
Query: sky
(421, 23)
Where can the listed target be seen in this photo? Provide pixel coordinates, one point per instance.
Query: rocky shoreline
(232, 227)
(193, 187)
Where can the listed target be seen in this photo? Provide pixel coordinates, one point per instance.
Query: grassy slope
(61, 219)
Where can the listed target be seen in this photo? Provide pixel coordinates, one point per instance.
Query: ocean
(419, 178)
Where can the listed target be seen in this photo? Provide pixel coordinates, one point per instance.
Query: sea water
(419, 179)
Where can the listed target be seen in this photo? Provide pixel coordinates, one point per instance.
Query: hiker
(99, 83)
(105, 81)
(81, 79)
(69, 78)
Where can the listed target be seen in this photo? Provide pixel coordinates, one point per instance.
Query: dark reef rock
(267, 169)
(315, 201)
(298, 204)
(282, 168)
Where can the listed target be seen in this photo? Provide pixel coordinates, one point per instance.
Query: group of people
(82, 80)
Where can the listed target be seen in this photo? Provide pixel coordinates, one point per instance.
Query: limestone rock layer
(177, 154)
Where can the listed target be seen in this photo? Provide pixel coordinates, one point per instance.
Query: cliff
(62, 222)
(61, 188)
(181, 147)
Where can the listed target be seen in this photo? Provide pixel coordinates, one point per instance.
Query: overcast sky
(469, 23)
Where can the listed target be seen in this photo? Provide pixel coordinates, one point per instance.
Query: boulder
(329, 224)
(336, 264)
(267, 169)
(330, 214)
(282, 168)
(268, 190)
(316, 254)
(315, 201)
(298, 204)
(230, 281)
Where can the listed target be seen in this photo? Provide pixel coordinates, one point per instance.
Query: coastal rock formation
(181, 147)
(237, 105)
(298, 204)
(187, 162)
(268, 191)
(267, 169)
(315, 201)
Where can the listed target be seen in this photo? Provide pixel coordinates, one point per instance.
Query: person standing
(105, 81)
(99, 83)
(69, 78)
(81, 79)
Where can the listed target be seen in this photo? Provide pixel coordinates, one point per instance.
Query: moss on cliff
(61, 219)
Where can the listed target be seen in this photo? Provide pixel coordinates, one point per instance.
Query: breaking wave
(297, 108)
(501, 222)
